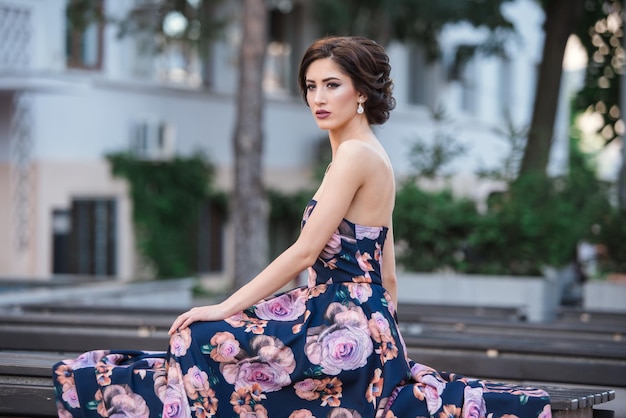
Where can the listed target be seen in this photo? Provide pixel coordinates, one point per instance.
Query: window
(279, 77)
(210, 240)
(505, 85)
(16, 33)
(84, 238)
(84, 34)
(423, 78)
(468, 92)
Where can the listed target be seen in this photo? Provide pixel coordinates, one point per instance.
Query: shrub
(431, 228)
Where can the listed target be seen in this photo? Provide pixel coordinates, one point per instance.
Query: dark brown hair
(365, 62)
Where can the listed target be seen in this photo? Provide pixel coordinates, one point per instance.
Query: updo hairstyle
(365, 62)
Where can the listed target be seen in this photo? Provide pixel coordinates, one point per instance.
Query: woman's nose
(319, 96)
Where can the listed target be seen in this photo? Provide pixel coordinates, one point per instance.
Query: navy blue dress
(328, 349)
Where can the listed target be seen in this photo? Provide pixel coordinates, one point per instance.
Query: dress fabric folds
(328, 349)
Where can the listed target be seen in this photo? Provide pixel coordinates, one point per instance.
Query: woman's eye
(332, 85)
(310, 87)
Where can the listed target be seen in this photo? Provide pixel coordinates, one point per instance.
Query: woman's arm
(340, 185)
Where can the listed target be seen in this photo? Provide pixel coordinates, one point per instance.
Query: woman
(328, 349)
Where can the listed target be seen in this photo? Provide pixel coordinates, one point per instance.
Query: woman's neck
(362, 132)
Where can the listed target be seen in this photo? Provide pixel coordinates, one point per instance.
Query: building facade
(65, 102)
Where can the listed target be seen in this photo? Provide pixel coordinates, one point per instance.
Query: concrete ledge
(604, 296)
(536, 297)
(175, 293)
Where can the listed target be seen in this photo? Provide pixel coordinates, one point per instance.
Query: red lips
(322, 114)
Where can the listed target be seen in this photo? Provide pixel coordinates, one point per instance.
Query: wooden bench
(493, 344)
(26, 389)
(590, 316)
(496, 313)
(566, 353)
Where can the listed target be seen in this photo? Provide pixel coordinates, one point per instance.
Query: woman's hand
(200, 313)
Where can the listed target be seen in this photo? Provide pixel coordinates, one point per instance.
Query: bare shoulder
(354, 149)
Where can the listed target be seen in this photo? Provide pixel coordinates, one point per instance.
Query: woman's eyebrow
(308, 80)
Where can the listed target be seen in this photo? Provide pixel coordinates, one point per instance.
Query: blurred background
(156, 154)
(121, 152)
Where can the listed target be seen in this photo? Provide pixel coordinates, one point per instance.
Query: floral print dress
(328, 349)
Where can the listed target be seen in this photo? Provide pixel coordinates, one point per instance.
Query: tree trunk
(249, 211)
(561, 17)
(621, 179)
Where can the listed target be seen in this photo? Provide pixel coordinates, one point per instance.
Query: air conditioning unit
(152, 139)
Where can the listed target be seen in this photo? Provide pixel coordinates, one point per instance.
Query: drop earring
(359, 108)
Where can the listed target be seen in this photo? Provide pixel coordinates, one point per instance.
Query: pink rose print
(160, 383)
(546, 412)
(379, 326)
(450, 410)
(360, 288)
(417, 370)
(474, 403)
(364, 262)
(70, 395)
(332, 248)
(301, 413)
(238, 320)
(269, 366)
(433, 400)
(306, 389)
(390, 305)
(345, 344)
(180, 342)
(343, 413)
(87, 359)
(381, 333)
(196, 383)
(311, 277)
(374, 389)
(369, 232)
(175, 404)
(254, 325)
(64, 374)
(434, 382)
(258, 411)
(328, 390)
(62, 412)
(360, 291)
(225, 347)
(103, 373)
(246, 400)
(286, 307)
(120, 401)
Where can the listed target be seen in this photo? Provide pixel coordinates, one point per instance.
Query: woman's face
(331, 95)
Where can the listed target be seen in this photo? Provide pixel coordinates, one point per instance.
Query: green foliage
(285, 217)
(167, 197)
(413, 20)
(427, 158)
(508, 167)
(601, 33)
(81, 13)
(537, 222)
(202, 23)
(288, 207)
(612, 237)
(432, 228)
